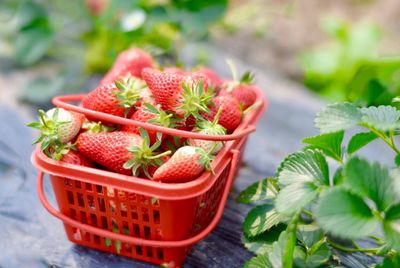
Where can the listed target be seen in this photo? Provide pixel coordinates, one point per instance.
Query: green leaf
(344, 214)
(338, 176)
(32, 44)
(313, 259)
(304, 166)
(260, 219)
(370, 180)
(309, 234)
(260, 261)
(338, 116)
(390, 261)
(279, 250)
(383, 118)
(107, 242)
(330, 144)
(261, 190)
(295, 197)
(397, 160)
(262, 244)
(359, 140)
(391, 227)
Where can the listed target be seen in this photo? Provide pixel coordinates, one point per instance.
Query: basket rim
(245, 127)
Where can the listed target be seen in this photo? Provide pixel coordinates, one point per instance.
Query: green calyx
(195, 99)
(96, 127)
(145, 156)
(129, 91)
(212, 127)
(246, 78)
(205, 158)
(161, 117)
(48, 126)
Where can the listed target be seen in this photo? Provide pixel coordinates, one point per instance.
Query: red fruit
(73, 157)
(183, 95)
(245, 94)
(185, 165)
(115, 99)
(149, 114)
(231, 115)
(109, 149)
(122, 152)
(212, 76)
(128, 62)
(174, 70)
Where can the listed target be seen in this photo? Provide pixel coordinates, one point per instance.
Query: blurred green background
(343, 49)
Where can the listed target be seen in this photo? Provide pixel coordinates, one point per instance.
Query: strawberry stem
(158, 155)
(252, 107)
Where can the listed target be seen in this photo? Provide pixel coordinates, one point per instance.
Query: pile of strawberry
(198, 101)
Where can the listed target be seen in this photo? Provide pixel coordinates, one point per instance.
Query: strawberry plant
(326, 199)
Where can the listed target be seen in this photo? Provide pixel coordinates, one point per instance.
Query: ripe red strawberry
(174, 70)
(73, 157)
(115, 99)
(128, 62)
(243, 90)
(209, 128)
(231, 115)
(245, 94)
(186, 164)
(120, 151)
(183, 95)
(212, 76)
(151, 114)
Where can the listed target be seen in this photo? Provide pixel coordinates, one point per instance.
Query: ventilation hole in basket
(139, 250)
(81, 203)
(134, 215)
(145, 217)
(132, 197)
(70, 197)
(122, 207)
(136, 230)
(96, 239)
(125, 228)
(160, 254)
(86, 236)
(83, 217)
(123, 212)
(72, 213)
(102, 205)
(127, 248)
(91, 203)
(99, 189)
(104, 222)
(76, 234)
(156, 216)
(112, 205)
(67, 182)
(93, 219)
(78, 184)
(88, 187)
(146, 231)
(149, 252)
(110, 192)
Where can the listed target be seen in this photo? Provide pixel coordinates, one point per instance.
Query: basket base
(159, 256)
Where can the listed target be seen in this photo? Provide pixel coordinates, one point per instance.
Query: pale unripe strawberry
(69, 123)
(209, 128)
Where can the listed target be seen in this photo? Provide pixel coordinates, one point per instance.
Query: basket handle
(62, 102)
(140, 241)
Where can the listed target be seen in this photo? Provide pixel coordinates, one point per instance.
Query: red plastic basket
(137, 218)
